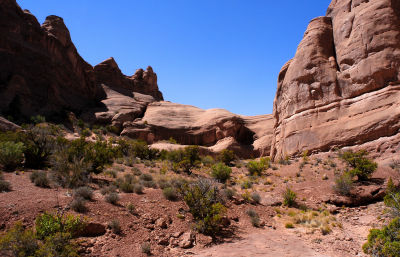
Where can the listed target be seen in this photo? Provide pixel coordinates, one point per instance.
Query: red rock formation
(216, 129)
(41, 71)
(342, 87)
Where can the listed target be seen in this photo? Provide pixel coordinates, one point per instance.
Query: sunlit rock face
(342, 87)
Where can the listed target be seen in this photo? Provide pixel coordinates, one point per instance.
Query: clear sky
(207, 53)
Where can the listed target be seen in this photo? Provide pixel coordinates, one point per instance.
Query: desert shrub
(52, 238)
(257, 167)
(78, 205)
(115, 227)
(126, 183)
(138, 149)
(5, 186)
(289, 197)
(395, 165)
(11, 155)
(146, 249)
(49, 224)
(359, 164)
(226, 156)
(289, 225)
(18, 242)
(170, 193)
(146, 177)
(67, 173)
(39, 178)
(138, 188)
(136, 171)
(108, 189)
(84, 192)
(255, 197)
(184, 160)
(207, 161)
(112, 198)
(247, 184)
(171, 140)
(163, 183)
(254, 217)
(126, 187)
(38, 119)
(343, 184)
(229, 193)
(86, 132)
(384, 242)
(205, 204)
(149, 184)
(392, 198)
(221, 172)
(131, 208)
(39, 142)
(59, 244)
(99, 154)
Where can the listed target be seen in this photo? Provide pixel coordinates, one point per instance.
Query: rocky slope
(342, 87)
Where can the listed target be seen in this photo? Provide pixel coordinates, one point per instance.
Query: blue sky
(207, 53)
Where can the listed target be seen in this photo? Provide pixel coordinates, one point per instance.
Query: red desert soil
(349, 232)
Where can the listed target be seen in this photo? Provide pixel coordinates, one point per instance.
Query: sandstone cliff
(342, 86)
(41, 72)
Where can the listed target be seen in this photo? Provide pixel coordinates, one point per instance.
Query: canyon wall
(342, 86)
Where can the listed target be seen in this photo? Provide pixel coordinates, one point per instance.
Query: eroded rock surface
(41, 72)
(342, 87)
(216, 129)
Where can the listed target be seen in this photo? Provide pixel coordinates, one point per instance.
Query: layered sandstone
(216, 129)
(342, 87)
(41, 72)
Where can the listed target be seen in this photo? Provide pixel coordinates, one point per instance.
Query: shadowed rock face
(342, 87)
(41, 71)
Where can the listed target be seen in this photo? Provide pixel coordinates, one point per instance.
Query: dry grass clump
(315, 220)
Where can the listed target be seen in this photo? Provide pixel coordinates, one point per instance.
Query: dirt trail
(264, 243)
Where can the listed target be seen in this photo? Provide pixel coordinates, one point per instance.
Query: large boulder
(342, 87)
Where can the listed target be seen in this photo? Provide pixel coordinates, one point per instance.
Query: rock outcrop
(41, 72)
(216, 129)
(342, 87)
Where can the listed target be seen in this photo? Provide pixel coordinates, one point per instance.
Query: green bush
(18, 242)
(227, 156)
(289, 197)
(359, 164)
(170, 193)
(384, 242)
(49, 224)
(205, 204)
(138, 188)
(207, 161)
(52, 238)
(221, 172)
(58, 244)
(39, 178)
(257, 167)
(39, 142)
(343, 184)
(11, 155)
